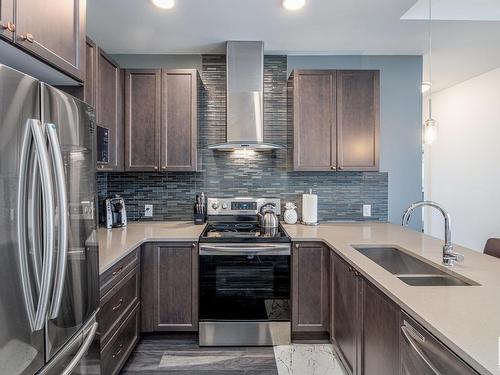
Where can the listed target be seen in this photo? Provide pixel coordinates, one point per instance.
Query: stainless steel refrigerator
(49, 291)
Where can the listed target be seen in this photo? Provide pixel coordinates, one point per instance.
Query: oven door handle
(241, 249)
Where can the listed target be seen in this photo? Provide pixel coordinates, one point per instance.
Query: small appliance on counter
(310, 208)
(245, 259)
(200, 211)
(115, 214)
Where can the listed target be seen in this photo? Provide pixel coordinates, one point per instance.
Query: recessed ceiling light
(164, 4)
(293, 4)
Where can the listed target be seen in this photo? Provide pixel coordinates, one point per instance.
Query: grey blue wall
(400, 121)
(341, 195)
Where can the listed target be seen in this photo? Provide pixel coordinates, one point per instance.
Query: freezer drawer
(423, 354)
(80, 356)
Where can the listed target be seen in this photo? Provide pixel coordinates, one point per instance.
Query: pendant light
(430, 125)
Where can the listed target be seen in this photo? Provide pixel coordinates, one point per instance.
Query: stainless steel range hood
(245, 92)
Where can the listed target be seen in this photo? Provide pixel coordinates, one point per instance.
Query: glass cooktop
(242, 232)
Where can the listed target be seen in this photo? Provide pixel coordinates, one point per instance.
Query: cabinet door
(358, 120)
(7, 25)
(346, 324)
(170, 287)
(90, 84)
(380, 334)
(110, 108)
(179, 120)
(142, 119)
(314, 120)
(54, 30)
(310, 288)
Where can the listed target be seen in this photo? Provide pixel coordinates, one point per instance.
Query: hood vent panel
(245, 98)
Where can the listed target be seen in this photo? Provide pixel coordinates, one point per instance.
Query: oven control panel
(241, 206)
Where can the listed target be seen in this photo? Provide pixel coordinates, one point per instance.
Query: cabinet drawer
(118, 302)
(116, 352)
(112, 276)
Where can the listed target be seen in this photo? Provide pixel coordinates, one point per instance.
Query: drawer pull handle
(117, 271)
(27, 37)
(9, 26)
(119, 351)
(116, 307)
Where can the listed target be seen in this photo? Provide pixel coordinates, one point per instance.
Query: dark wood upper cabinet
(346, 314)
(7, 25)
(358, 120)
(161, 120)
(380, 332)
(90, 84)
(142, 119)
(335, 120)
(109, 108)
(314, 113)
(170, 287)
(310, 288)
(179, 120)
(53, 30)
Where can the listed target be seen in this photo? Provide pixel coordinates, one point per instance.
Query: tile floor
(182, 356)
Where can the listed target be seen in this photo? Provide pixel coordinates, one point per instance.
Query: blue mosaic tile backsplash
(226, 174)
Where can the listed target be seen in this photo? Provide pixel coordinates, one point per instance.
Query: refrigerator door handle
(34, 223)
(21, 224)
(34, 132)
(82, 351)
(60, 180)
(48, 218)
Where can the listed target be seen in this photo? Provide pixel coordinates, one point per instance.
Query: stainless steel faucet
(449, 256)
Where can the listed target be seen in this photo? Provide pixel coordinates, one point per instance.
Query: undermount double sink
(410, 269)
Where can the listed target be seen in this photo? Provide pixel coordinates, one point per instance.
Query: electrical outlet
(367, 210)
(148, 210)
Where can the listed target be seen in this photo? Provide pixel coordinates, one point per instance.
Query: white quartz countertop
(115, 244)
(466, 319)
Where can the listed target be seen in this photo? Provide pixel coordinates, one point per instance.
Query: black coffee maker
(115, 214)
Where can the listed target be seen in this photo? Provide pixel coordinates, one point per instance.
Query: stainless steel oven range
(244, 276)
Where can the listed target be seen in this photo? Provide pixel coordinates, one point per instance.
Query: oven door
(243, 282)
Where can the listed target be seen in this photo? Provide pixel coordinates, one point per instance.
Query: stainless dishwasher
(423, 354)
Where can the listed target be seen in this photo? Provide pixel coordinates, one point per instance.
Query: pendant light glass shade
(430, 127)
(430, 131)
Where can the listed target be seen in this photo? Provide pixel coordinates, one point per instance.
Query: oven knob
(224, 206)
(215, 205)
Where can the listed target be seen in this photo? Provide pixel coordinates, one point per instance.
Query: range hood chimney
(245, 94)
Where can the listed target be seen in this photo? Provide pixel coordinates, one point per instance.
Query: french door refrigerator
(49, 289)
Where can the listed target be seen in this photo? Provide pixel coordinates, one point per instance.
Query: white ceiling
(461, 49)
(457, 10)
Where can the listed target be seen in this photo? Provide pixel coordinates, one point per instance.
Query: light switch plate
(367, 210)
(148, 210)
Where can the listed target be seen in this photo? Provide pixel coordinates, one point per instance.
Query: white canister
(310, 208)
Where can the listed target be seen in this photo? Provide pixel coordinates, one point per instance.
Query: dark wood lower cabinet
(170, 287)
(346, 314)
(116, 352)
(365, 323)
(310, 288)
(380, 332)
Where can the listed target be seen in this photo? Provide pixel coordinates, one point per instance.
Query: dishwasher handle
(410, 335)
